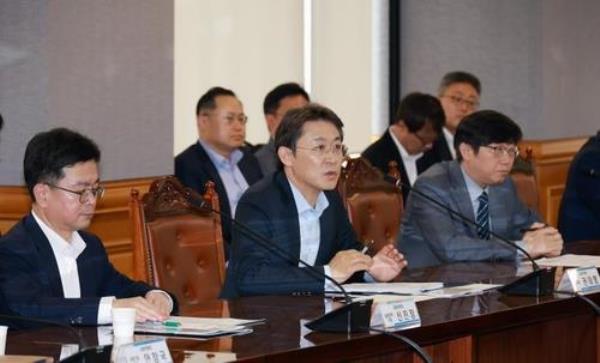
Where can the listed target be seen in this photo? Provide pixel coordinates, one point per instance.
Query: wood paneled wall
(551, 160)
(111, 222)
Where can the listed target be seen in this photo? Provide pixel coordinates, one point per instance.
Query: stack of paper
(393, 288)
(197, 327)
(570, 261)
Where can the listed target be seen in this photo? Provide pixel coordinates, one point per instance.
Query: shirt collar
(403, 153)
(473, 188)
(60, 245)
(302, 204)
(218, 159)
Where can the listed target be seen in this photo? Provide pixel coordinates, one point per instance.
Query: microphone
(540, 282)
(353, 317)
(99, 353)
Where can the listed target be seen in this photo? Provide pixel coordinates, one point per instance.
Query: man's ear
(286, 155)
(271, 123)
(466, 151)
(41, 193)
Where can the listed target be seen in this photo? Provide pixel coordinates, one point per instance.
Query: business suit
(430, 235)
(384, 150)
(30, 280)
(579, 217)
(267, 158)
(269, 209)
(193, 167)
(440, 151)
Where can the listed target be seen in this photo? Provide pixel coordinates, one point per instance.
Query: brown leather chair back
(374, 205)
(523, 176)
(178, 246)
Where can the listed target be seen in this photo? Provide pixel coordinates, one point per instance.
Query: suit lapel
(45, 255)
(290, 223)
(207, 165)
(460, 195)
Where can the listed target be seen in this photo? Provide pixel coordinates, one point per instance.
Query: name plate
(145, 351)
(580, 279)
(396, 314)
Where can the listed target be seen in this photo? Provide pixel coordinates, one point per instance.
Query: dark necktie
(483, 217)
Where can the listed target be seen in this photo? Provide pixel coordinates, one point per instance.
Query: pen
(367, 246)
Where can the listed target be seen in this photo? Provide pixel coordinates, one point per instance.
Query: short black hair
(274, 97)
(47, 153)
(451, 78)
(486, 127)
(207, 100)
(416, 109)
(291, 127)
(1, 121)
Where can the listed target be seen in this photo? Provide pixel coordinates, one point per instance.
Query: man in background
(280, 100)
(459, 94)
(219, 155)
(418, 123)
(476, 185)
(299, 209)
(51, 269)
(579, 217)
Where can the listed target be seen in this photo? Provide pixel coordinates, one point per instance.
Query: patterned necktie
(483, 217)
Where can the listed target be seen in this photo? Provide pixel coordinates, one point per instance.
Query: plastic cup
(3, 331)
(123, 322)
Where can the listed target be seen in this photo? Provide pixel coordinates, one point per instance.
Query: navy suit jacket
(440, 150)
(194, 168)
(30, 281)
(579, 217)
(384, 150)
(430, 235)
(268, 208)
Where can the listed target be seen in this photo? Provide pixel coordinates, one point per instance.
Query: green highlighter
(171, 324)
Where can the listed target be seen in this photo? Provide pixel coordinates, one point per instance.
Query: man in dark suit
(219, 155)
(49, 267)
(277, 102)
(459, 94)
(579, 217)
(477, 186)
(418, 124)
(298, 209)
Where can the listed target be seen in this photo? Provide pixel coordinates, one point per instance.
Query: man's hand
(345, 263)
(387, 264)
(144, 310)
(160, 301)
(543, 241)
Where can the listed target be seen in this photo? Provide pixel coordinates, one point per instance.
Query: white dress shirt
(450, 140)
(409, 161)
(66, 253)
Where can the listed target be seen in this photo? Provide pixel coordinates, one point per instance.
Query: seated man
(419, 122)
(298, 209)
(281, 99)
(477, 186)
(579, 217)
(51, 269)
(219, 155)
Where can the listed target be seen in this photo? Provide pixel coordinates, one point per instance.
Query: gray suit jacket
(430, 235)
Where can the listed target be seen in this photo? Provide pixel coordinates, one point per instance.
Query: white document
(570, 261)
(458, 291)
(200, 327)
(393, 288)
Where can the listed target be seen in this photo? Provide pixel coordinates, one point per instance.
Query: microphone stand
(540, 282)
(353, 317)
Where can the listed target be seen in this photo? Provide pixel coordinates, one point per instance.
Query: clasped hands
(543, 240)
(384, 266)
(155, 306)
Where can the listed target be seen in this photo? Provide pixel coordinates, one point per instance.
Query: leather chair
(523, 176)
(177, 245)
(374, 204)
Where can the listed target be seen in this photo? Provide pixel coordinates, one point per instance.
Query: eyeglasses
(84, 194)
(500, 151)
(457, 100)
(322, 150)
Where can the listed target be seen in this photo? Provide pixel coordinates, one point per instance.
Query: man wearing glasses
(219, 155)
(459, 94)
(49, 267)
(298, 209)
(475, 185)
(419, 121)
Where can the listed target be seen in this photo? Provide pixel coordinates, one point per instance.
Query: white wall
(252, 46)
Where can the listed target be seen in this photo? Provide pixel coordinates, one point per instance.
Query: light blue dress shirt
(233, 180)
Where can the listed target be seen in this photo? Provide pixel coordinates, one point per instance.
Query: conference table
(489, 327)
